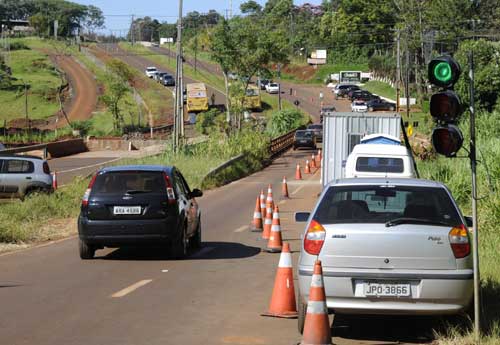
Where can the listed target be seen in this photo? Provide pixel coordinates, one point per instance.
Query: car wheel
(87, 251)
(370, 109)
(196, 239)
(302, 308)
(179, 247)
(392, 108)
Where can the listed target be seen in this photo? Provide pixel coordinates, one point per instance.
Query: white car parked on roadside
(359, 106)
(273, 88)
(151, 71)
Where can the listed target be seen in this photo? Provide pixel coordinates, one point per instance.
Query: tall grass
(455, 173)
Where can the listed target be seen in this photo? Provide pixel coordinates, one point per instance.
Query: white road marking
(89, 166)
(297, 190)
(131, 288)
(282, 202)
(202, 252)
(164, 271)
(241, 228)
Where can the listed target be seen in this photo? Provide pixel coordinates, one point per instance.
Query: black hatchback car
(361, 95)
(304, 138)
(380, 104)
(139, 205)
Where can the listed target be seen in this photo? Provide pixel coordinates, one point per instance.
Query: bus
(196, 98)
(252, 98)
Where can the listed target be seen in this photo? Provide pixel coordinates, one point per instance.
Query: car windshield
(273, 85)
(303, 134)
(129, 182)
(151, 69)
(385, 203)
(315, 127)
(380, 164)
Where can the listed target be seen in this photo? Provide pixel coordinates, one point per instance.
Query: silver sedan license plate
(127, 210)
(379, 289)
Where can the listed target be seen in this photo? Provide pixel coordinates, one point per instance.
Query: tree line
(72, 17)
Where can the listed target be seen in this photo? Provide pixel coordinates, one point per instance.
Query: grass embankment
(157, 100)
(270, 103)
(37, 218)
(455, 173)
(38, 72)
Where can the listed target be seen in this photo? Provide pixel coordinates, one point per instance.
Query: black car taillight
(86, 195)
(170, 190)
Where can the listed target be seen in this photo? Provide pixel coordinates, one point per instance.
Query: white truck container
(342, 131)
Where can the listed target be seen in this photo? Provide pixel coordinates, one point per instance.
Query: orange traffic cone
(257, 217)
(298, 174)
(268, 221)
(275, 243)
(317, 324)
(284, 189)
(313, 162)
(269, 194)
(262, 204)
(283, 299)
(307, 169)
(54, 180)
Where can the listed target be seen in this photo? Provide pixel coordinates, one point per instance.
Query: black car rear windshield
(380, 204)
(132, 182)
(315, 127)
(303, 134)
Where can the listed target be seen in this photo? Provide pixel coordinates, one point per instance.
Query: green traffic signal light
(442, 72)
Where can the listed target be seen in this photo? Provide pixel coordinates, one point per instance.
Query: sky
(118, 12)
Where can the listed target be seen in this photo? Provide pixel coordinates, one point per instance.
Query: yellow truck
(252, 98)
(196, 98)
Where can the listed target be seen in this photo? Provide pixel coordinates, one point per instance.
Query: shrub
(284, 121)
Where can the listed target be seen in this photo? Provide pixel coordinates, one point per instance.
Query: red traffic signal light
(445, 106)
(447, 140)
(443, 71)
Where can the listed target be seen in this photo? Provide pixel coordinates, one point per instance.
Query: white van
(379, 160)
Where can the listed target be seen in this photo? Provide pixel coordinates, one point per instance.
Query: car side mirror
(468, 221)
(196, 193)
(302, 216)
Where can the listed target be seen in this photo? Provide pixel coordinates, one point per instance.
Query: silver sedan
(388, 246)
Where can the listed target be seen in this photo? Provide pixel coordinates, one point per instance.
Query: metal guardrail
(281, 144)
(26, 149)
(223, 165)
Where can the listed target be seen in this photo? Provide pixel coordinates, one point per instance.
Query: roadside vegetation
(34, 69)
(455, 173)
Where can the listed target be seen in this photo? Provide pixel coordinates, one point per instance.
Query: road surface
(215, 296)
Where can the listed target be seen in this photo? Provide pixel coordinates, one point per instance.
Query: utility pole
(473, 163)
(132, 31)
(398, 71)
(407, 83)
(230, 9)
(179, 99)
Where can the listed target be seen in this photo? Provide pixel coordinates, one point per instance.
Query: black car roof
(167, 169)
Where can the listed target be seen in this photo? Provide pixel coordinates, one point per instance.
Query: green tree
(119, 75)
(250, 7)
(486, 73)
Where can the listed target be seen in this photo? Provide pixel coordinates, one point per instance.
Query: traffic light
(445, 106)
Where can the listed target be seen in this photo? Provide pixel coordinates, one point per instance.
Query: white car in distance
(359, 106)
(151, 71)
(273, 88)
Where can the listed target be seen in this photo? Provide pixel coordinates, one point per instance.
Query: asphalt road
(141, 296)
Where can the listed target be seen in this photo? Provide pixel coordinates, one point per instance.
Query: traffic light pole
(473, 163)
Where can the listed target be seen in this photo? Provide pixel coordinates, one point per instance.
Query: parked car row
(362, 100)
(163, 78)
